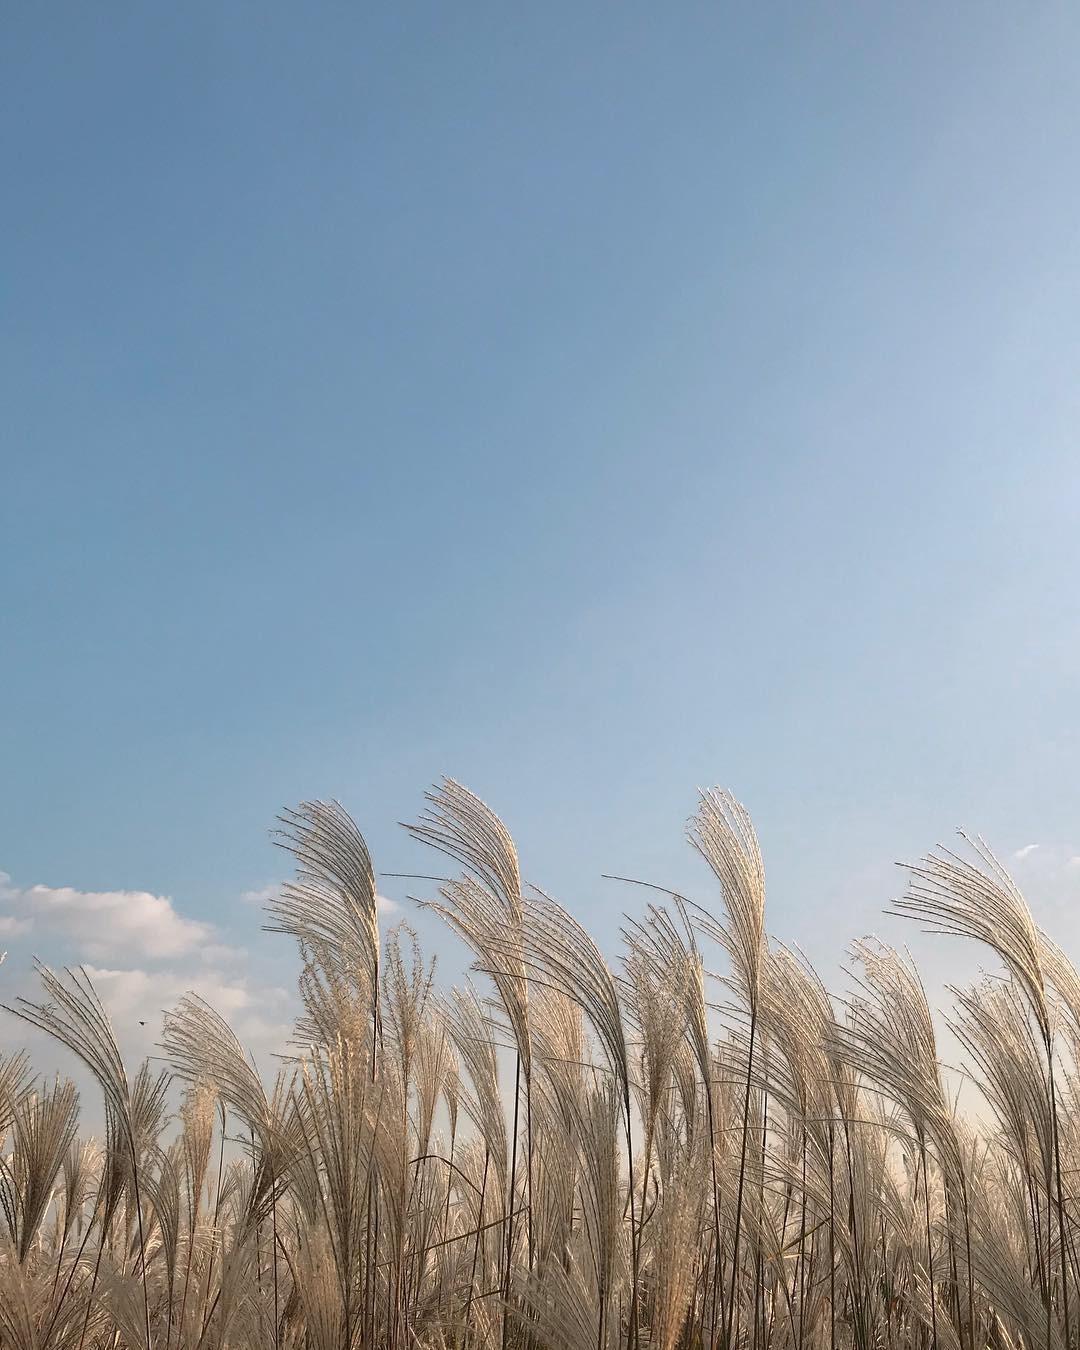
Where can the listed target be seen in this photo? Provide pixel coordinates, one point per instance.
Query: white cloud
(135, 993)
(100, 925)
(1025, 851)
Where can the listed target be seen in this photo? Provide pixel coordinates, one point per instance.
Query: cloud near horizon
(137, 999)
(142, 955)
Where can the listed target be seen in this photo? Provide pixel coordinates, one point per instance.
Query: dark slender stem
(142, 1241)
(742, 1179)
(1059, 1194)
(476, 1248)
(510, 1201)
(635, 1249)
(929, 1239)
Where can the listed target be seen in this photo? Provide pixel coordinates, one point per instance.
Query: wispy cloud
(1049, 876)
(261, 896)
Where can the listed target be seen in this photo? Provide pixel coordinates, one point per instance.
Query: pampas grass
(583, 1148)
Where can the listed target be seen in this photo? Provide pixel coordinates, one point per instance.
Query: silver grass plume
(723, 833)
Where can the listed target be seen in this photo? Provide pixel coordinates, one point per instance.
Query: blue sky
(588, 401)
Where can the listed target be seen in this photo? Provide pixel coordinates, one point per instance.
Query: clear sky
(589, 401)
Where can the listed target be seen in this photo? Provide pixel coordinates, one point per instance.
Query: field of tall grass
(565, 1154)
